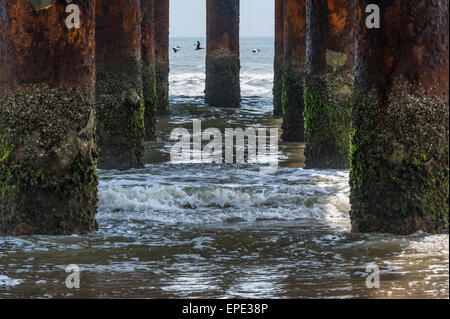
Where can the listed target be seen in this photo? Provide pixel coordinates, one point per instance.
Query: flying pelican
(197, 46)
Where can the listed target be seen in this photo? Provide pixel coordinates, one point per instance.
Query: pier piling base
(399, 175)
(294, 70)
(119, 89)
(162, 67)
(329, 83)
(222, 56)
(48, 180)
(148, 67)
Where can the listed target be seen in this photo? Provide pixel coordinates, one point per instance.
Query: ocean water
(188, 69)
(173, 230)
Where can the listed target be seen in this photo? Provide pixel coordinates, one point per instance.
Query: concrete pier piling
(148, 67)
(399, 149)
(279, 58)
(222, 55)
(162, 67)
(48, 181)
(119, 89)
(329, 83)
(294, 70)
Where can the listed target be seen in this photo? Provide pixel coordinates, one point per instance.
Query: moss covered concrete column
(222, 55)
(48, 181)
(329, 83)
(148, 67)
(399, 148)
(293, 75)
(120, 103)
(279, 55)
(162, 56)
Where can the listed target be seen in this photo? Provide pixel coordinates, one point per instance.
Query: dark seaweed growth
(150, 101)
(222, 80)
(120, 114)
(278, 86)
(293, 103)
(162, 87)
(399, 162)
(48, 180)
(327, 120)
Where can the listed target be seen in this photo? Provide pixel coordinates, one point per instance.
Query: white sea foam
(9, 282)
(300, 194)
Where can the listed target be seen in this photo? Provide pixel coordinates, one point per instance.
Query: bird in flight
(198, 46)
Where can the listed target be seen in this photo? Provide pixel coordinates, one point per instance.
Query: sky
(188, 18)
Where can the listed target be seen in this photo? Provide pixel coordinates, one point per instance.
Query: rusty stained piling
(148, 67)
(329, 82)
(119, 90)
(162, 67)
(399, 160)
(222, 55)
(279, 58)
(294, 70)
(48, 180)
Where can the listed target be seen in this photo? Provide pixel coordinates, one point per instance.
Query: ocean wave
(192, 84)
(175, 198)
(218, 203)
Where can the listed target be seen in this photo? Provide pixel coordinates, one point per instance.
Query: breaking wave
(302, 195)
